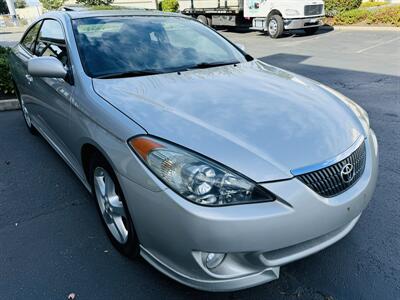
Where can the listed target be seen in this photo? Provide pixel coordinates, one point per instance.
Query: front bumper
(258, 238)
(302, 23)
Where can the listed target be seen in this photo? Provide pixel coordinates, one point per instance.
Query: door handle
(29, 78)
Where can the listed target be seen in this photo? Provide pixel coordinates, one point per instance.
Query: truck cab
(275, 16)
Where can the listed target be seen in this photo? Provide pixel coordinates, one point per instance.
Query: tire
(202, 19)
(25, 113)
(311, 30)
(275, 26)
(118, 225)
(209, 21)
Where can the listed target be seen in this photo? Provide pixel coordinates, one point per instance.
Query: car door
(53, 95)
(20, 56)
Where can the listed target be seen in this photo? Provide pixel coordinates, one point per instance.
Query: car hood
(254, 118)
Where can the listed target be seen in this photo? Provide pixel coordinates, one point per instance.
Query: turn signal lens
(195, 177)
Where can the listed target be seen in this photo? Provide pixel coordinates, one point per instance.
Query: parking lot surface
(51, 238)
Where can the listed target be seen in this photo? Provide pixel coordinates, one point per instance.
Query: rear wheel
(202, 19)
(311, 30)
(112, 207)
(275, 26)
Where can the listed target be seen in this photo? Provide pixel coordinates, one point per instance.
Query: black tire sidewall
(131, 248)
(202, 19)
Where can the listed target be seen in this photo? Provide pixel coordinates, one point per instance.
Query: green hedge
(334, 7)
(381, 16)
(6, 84)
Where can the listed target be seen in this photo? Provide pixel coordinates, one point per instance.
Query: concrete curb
(9, 104)
(367, 28)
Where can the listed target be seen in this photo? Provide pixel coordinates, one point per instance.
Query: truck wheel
(311, 30)
(202, 19)
(275, 26)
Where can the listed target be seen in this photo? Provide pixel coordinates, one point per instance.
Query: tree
(94, 2)
(3, 7)
(52, 4)
(169, 5)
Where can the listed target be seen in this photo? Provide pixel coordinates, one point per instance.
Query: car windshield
(112, 47)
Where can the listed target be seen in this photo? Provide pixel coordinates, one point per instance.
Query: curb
(9, 104)
(367, 28)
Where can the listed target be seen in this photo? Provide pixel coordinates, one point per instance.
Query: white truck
(273, 16)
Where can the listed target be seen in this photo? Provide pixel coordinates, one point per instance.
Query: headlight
(197, 178)
(292, 12)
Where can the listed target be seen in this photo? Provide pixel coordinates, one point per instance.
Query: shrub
(52, 4)
(352, 17)
(3, 7)
(381, 16)
(170, 5)
(385, 15)
(334, 7)
(6, 83)
(95, 2)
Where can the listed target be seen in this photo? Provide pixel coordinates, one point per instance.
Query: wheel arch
(274, 12)
(88, 150)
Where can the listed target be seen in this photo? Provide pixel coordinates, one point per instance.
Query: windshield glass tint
(114, 45)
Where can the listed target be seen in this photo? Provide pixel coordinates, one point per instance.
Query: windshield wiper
(205, 65)
(127, 74)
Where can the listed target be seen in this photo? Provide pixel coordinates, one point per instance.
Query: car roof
(87, 13)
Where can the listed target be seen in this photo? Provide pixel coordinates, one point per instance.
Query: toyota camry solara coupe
(215, 167)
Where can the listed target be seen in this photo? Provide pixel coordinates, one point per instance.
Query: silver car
(215, 167)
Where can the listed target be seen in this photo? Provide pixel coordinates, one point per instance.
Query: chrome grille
(333, 180)
(312, 10)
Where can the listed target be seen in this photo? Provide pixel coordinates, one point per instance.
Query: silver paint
(259, 120)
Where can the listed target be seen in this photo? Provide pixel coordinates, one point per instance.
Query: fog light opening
(213, 260)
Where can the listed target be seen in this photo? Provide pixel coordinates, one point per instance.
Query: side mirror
(240, 46)
(47, 66)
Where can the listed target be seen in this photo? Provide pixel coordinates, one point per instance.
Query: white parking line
(377, 45)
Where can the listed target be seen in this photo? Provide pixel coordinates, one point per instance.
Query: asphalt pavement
(52, 242)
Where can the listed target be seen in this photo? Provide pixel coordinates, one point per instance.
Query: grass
(388, 16)
(373, 4)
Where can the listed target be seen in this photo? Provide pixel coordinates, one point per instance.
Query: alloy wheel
(111, 207)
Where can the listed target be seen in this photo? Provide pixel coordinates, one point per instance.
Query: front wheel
(275, 26)
(311, 30)
(112, 207)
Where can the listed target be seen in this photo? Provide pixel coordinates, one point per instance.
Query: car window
(30, 37)
(51, 41)
(120, 45)
(179, 37)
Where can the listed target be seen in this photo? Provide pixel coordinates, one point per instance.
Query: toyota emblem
(347, 173)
